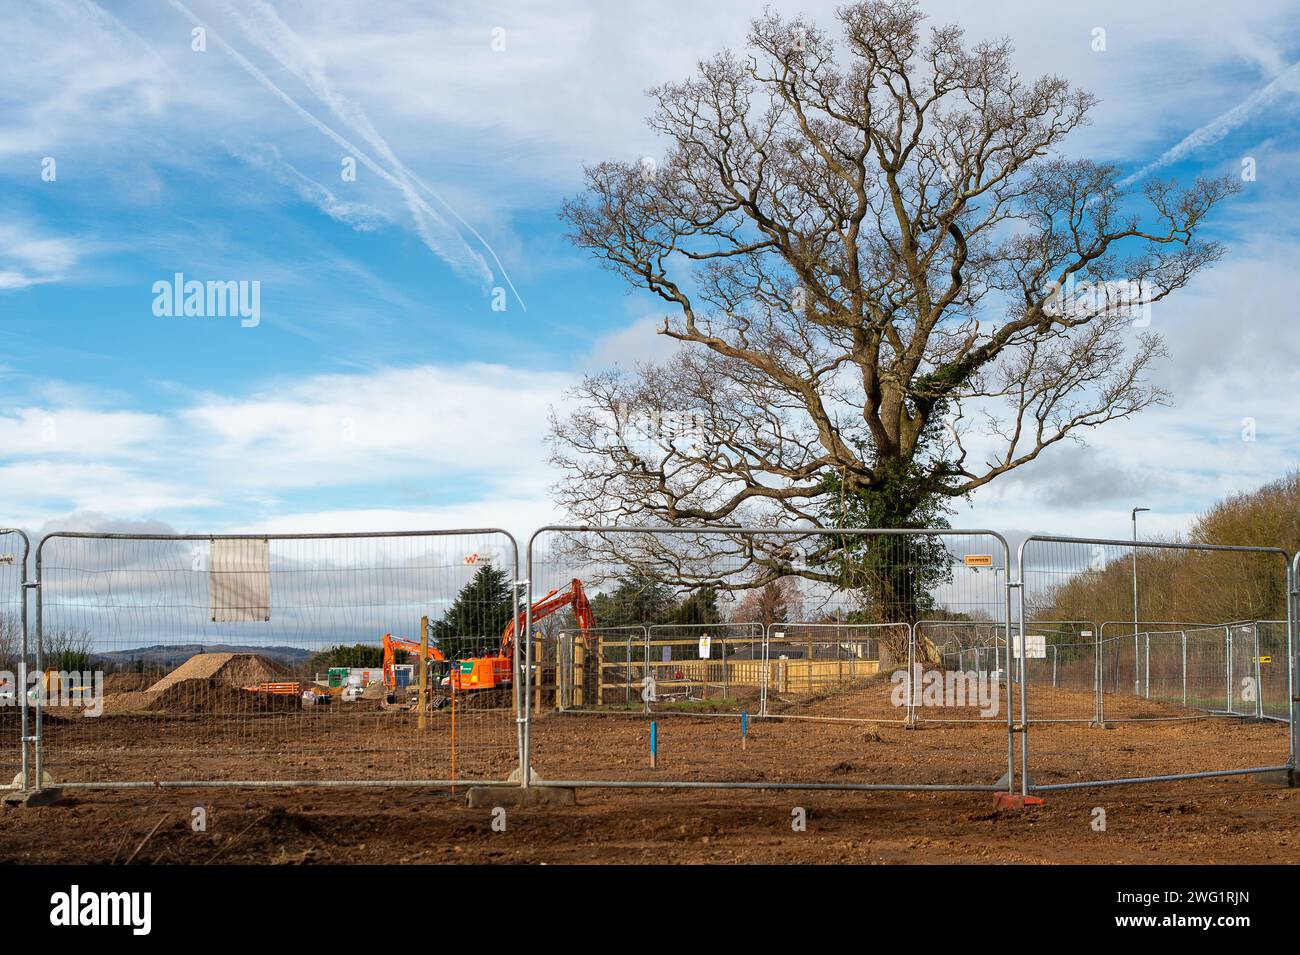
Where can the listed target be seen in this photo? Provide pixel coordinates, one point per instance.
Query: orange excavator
(493, 672)
(392, 644)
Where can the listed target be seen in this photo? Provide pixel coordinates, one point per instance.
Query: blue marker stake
(744, 727)
(654, 743)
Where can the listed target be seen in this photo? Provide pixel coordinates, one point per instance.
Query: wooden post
(600, 668)
(422, 667)
(559, 671)
(579, 670)
(537, 679)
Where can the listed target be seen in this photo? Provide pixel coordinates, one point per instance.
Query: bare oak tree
(889, 285)
(778, 601)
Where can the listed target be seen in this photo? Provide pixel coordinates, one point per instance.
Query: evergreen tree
(639, 599)
(473, 624)
(700, 607)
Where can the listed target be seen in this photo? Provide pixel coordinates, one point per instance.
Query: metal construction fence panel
(614, 674)
(784, 691)
(971, 658)
(966, 644)
(1244, 669)
(691, 657)
(1061, 669)
(1191, 670)
(16, 718)
(276, 659)
(807, 663)
(1272, 669)
(1211, 668)
(698, 662)
(1293, 662)
(1157, 686)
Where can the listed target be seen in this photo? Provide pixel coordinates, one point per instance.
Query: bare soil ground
(1240, 819)
(1208, 822)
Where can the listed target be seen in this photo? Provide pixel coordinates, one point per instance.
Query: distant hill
(168, 655)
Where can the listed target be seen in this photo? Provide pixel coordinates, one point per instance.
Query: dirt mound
(201, 696)
(233, 669)
(205, 683)
(216, 696)
(130, 702)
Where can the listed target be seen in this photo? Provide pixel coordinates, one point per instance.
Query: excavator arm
(495, 671)
(393, 644)
(551, 603)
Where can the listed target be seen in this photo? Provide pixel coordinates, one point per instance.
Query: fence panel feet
(519, 797)
(32, 798)
(1014, 801)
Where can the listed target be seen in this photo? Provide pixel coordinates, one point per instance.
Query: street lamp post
(1137, 672)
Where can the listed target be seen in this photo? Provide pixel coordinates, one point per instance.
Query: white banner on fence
(239, 581)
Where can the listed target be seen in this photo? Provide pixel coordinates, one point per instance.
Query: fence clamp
(31, 584)
(1018, 727)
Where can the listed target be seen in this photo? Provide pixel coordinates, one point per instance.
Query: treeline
(1194, 586)
(62, 648)
(356, 655)
(642, 599)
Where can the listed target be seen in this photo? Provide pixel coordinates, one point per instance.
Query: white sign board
(1036, 644)
(706, 642)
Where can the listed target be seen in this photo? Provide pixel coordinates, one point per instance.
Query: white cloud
(78, 432)
(632, 344)
(28, 257)
(430, 440)
(358, 215)
(395, 423)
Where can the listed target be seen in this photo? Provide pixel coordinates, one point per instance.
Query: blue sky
(380, 389)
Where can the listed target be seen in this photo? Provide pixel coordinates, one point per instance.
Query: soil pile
(236, 669)
(209, 683)
(213, 696)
